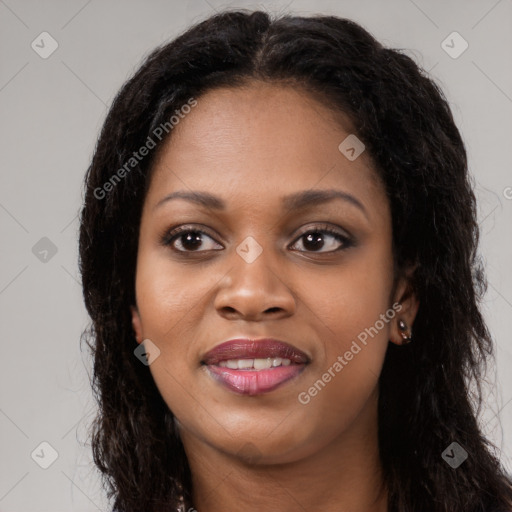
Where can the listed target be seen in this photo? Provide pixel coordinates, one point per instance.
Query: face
(262, 259)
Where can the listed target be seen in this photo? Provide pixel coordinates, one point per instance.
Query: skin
(250, 146)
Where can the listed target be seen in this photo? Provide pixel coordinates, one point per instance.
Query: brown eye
(323, 240)
(186, 239)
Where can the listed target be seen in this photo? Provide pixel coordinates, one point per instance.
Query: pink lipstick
(253, 367)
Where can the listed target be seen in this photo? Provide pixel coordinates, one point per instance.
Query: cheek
(170, 307)
(168, 295)
(348, 301)
(349, 309)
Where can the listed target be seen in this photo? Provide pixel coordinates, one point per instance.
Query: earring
(406, 337)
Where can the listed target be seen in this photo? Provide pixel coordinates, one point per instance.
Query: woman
(278, 254)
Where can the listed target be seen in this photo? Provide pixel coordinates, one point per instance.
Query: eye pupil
(314, 241)
(191, 240)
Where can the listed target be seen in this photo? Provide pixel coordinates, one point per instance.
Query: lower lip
(254, 382)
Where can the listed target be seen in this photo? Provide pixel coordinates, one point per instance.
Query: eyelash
(168, 238)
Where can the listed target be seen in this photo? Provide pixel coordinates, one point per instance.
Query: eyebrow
(296, 201)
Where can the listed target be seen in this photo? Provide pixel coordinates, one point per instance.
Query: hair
(426, 400)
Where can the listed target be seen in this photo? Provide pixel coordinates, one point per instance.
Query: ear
(137, 324)
(406, 297)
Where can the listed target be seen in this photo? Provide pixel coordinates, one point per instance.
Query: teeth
(262, 364)
(255, 364)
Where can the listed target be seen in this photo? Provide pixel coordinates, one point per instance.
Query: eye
(189, 239)
(324, 239)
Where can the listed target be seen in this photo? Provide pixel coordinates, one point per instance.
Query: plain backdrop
(51, 111)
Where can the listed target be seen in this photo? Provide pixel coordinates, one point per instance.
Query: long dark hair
(405, 122)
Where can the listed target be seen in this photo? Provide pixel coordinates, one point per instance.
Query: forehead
(261, 141)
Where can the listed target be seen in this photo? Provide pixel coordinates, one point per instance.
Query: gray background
(51, 113)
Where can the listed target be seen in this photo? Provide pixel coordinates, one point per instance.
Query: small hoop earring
(406, 336)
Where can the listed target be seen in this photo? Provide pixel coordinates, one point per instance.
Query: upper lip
(244, 348)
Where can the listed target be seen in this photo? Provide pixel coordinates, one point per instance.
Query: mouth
(253, 367)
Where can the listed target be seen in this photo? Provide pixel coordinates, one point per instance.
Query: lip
(254, 382)
(243, 348)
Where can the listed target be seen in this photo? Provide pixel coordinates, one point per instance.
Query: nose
(254, 291)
